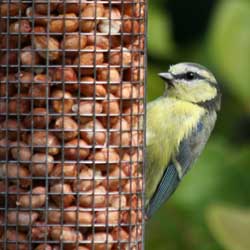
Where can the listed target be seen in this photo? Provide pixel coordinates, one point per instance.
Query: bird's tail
(166, 187)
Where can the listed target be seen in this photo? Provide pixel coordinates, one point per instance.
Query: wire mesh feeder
(71, 124)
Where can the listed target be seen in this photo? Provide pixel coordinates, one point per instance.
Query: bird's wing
(189, 150)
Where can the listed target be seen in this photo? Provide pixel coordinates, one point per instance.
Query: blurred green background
(211, 208)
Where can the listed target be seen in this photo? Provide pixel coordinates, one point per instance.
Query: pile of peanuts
(71, 124)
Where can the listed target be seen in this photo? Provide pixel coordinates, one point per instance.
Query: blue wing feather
(167, 186)
(189, 150)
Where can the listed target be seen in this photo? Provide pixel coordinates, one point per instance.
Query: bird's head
(193, 83)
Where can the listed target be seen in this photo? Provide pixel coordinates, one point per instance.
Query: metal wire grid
(71, 134)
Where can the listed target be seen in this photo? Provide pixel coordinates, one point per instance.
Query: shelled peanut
(71, 102)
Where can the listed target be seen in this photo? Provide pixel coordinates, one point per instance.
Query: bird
(178, 126)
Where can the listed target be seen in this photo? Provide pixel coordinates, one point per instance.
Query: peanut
(29, 57)
(115, 180)
(13, 238)
(110, 75)
(76, 150)
(107, 217)
(62, 102)
(135, 72)
(67, 128)
(20, 151)
(119, 234)
(102, 241)
(86, 110)
(9, 129)
(132, 186)
(94, 197)
(21, 26)
(120, 56)
(121, 135)
(42, 164)
(89, 87)
(46, 46)
(7, 59)
(129, 216)
(71, 6)
(73, 44)
(104, 158)
(88, 58)
(16, 173)
(111, 109)
(7, 86)
(111, 23)
(47, 247)
(3, 189)
(3, 110)
(64, 23)
(98, 40)
(14, 192)
(40, 91)
(129, 25)
(38, 18)
(21, 218)
(81, 248)
(133, 114)
(35, 199)
(39, 118)
(19, 104)
(91, 16)
(44, 8)
(54, 214)
(25, 79)
(62, 194)
(4, 149)
(73, 215)
(42, 140)
(65, 234)
(127, 91)
(86, 180)
(39, 230)
(66, 76)
(11, 9)
(117, 201)
(65, 171)
(93, 133)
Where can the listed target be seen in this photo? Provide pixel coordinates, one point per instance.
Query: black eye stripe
(183, 76)
(196, 77)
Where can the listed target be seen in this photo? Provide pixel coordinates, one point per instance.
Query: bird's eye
(190, 75)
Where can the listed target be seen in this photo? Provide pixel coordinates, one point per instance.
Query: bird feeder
(72, 107)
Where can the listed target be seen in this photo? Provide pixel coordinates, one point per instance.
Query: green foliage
(231, 226)
(159, 27)
(230, 46)
(191, 220)
(155, 85)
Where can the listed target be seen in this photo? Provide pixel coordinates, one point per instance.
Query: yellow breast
(169, 121)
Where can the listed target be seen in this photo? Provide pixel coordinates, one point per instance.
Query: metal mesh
(71, 124)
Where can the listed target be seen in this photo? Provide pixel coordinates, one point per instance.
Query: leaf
(230, 226)
(230, 46)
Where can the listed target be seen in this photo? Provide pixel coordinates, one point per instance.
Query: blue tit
(179, 124)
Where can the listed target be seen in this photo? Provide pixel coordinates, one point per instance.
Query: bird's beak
(167, 77)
